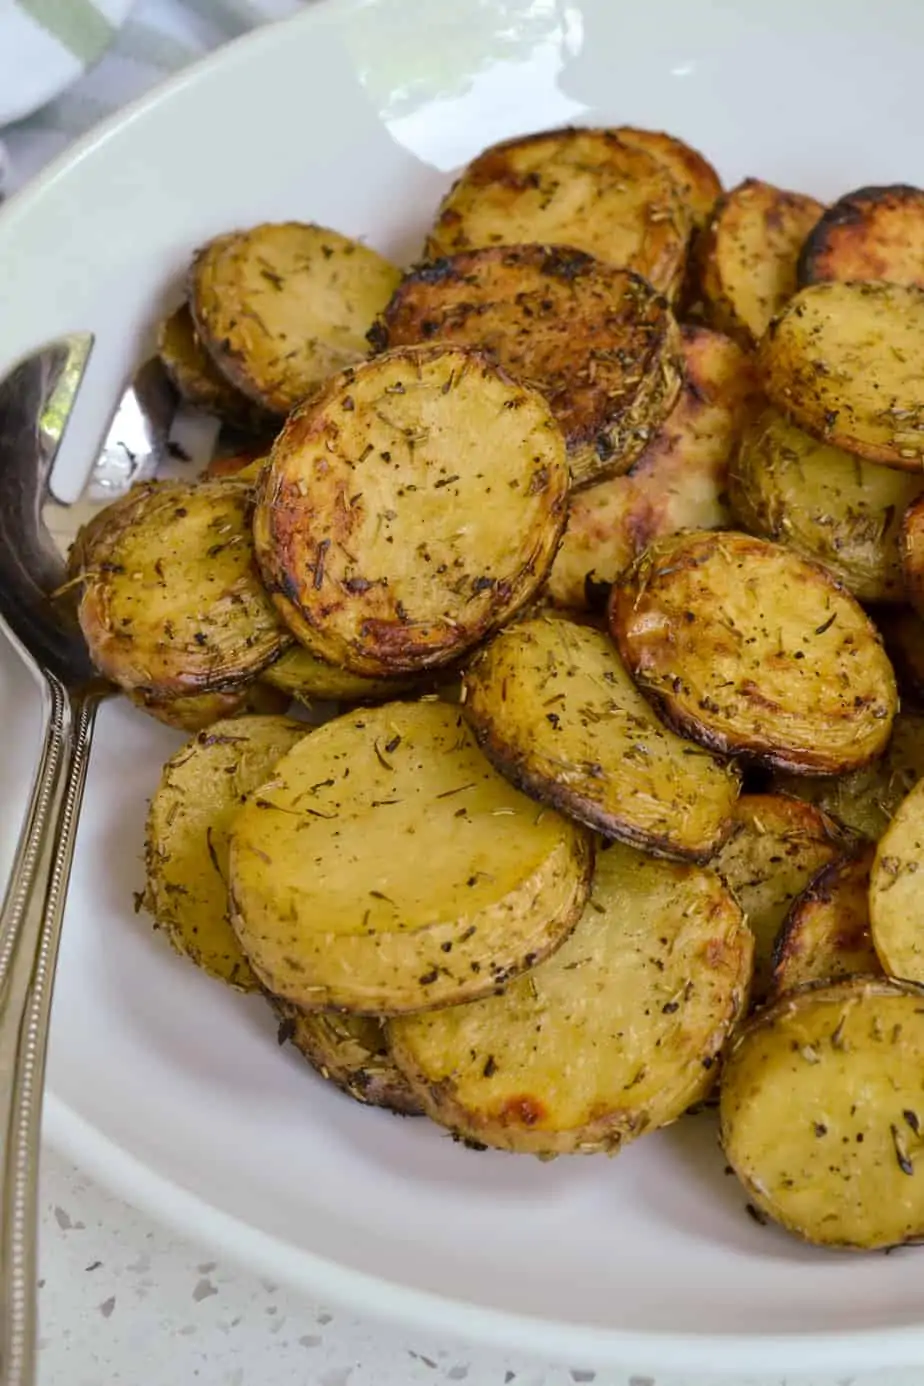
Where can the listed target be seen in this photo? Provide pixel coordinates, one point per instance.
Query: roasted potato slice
(309, 680)
(678, 483)
(843, 362)
(350, 1051)
(94, 539)
(865, 800)
(748, 648)
(779, 845)
(577, 187)
(912, 553)
(873, 233)
(411, 508)
(821, 1112)
(282, 306)
(611, 1037)
(199, 710)
(748, 254)
(826, 934)
(198, 380)
(173, 604)
(896, 900)
(186, 839)
(697, 180)
(555, 710)
(598, 342)
(386, 867)
(243, 466)
(824, 503)
(902, 632)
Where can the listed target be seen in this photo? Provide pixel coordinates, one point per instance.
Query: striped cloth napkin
(158, 38)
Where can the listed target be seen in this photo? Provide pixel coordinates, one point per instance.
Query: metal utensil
(36, 401)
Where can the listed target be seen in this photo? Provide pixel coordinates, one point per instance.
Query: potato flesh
(186, 847)
(697, 180)
(710, 629)
(598, 342)
(821, 1113)
(303, 676)
(873, 233)
(389, 867)
(411, 508)
(895, 897)
(912, 554)
(200, 710)
(176, 606)
(749, 253)
(826, 934)
(613, 1036)
(282, 306)
(824, 503)
(842, 362)
(778, 848)
(680, 481)
(555, 710)
(196, 377)
(865, 800)
(576, 187)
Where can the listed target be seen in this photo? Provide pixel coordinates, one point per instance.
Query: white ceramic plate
(172, 1089)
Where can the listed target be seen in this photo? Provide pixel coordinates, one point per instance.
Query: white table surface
(122, 1298)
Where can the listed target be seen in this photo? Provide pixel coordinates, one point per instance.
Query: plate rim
(316, 1276)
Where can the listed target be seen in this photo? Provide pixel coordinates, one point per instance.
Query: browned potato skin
(872, 233)
(198, 379)
(826, 934)
(321, 534)
(683, 657)
(912, 554)
(779, 845)
(747, 256)
(350, 1051)
(633, 215)
(902, 632)
(692, 172)
(231, 465)
(678, 483)
(597, 341)
(200, 710)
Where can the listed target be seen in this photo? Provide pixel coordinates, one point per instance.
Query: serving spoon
(36, 402)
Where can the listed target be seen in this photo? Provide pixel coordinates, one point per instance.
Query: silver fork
(36, 401)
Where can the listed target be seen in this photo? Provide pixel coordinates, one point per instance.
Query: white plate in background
(172, 1089)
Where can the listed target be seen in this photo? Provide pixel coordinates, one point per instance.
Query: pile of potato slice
(604, 527)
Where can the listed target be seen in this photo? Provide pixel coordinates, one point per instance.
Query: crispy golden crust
(386, 867)
(350, 1051)
(697, 180)
(865, 800)
(912, 554)
(598, 342)
(821, 1112)
(826, 934)
(197, 378)
(578, 187)
(282, 306)
(246, 466)
(779, 845)
(410, 509)
(843, 362)
(873, 233)
(747, 256)
(748, 648)
(310, 680)
(896, 901)
(555, 710)
(186, 837)
(615, 1035)
(824, 503)
(173, 604)
(200, 710)
(902, 632)
(678, 483)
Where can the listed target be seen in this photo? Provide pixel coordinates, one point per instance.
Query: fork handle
(30, 928)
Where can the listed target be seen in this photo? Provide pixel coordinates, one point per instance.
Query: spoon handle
(30, 927)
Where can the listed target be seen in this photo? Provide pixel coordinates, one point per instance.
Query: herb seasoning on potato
(826, 934)
(750, 649)
(873, 233)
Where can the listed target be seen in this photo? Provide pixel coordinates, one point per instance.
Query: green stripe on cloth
(76, 24)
